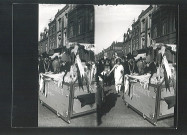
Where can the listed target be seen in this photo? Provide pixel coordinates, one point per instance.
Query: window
(80, 26)
(71, 30)
(46, 47)
(143, 42)
(53, 29)
(164, 28)
(65, 20)
(91, 24)
(62, 23)
(154, 32)
(137, 31)
(59, 24)
(143, 25)
(149, 21)
(173, 22)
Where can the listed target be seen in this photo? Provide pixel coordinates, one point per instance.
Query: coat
(56, 66)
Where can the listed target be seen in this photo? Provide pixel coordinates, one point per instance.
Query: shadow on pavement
(110, 102)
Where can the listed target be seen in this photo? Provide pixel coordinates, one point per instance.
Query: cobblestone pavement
(47, 118)
(117, 114)
(114, 114)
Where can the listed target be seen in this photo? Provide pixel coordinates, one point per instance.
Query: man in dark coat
(130, 66)
(141, 66)
(46, 63)
(40, 65)
(56, 65)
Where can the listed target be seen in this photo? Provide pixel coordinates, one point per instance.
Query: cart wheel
(144, 116)
(41, 102)
(58, 114)
(69, 122)
(155, 123)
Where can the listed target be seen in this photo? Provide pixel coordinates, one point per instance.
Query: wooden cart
(149, 102)
(68, 101)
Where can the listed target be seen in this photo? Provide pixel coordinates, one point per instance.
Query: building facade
(145, 24)
(115, 47)
(127, 42)
(164, 25)
(52, 35)
(43, 43)
(61, 26)
(81, 24)
(136, 35)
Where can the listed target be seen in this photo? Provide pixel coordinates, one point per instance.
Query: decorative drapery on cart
(153, 95)
(72, 93)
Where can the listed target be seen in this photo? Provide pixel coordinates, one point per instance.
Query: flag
(80, 79)
(80, 66)
(75, 49)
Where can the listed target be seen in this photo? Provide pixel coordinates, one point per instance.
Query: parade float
(154, 95)
(70, 93)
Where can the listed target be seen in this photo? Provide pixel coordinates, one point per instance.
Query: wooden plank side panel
(77, 104)
(163, 105)
(57, 98)
(142, 100)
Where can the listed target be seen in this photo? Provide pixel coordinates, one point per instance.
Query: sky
(47, 12)
(111, 22)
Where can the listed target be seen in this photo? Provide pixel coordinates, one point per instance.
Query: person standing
(106, 63)
(130, 66)
(56, 65)
(118, 74)
(141, 66)
(46, 64)
(40, 65)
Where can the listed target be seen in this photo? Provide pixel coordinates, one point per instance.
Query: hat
(118, 59)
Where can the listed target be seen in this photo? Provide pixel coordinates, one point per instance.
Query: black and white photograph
(137, 64)
(107, 65)
(67, 66)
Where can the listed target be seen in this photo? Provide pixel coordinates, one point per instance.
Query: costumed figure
(118, 74)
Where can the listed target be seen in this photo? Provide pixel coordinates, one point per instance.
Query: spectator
(141, 66)
(46, 63)
(130, 66)
(56, 65)
(40, 65)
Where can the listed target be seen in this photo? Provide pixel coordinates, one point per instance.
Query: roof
(145, 11)
(118, 44)
(53, 21)
(62, 10)
(136, 22)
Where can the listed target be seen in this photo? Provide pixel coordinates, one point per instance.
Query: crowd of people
(113, 70)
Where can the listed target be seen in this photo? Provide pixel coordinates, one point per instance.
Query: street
(114, 114)
(47, 118)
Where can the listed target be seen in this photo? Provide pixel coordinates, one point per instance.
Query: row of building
(156, 24)
(73, 23)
